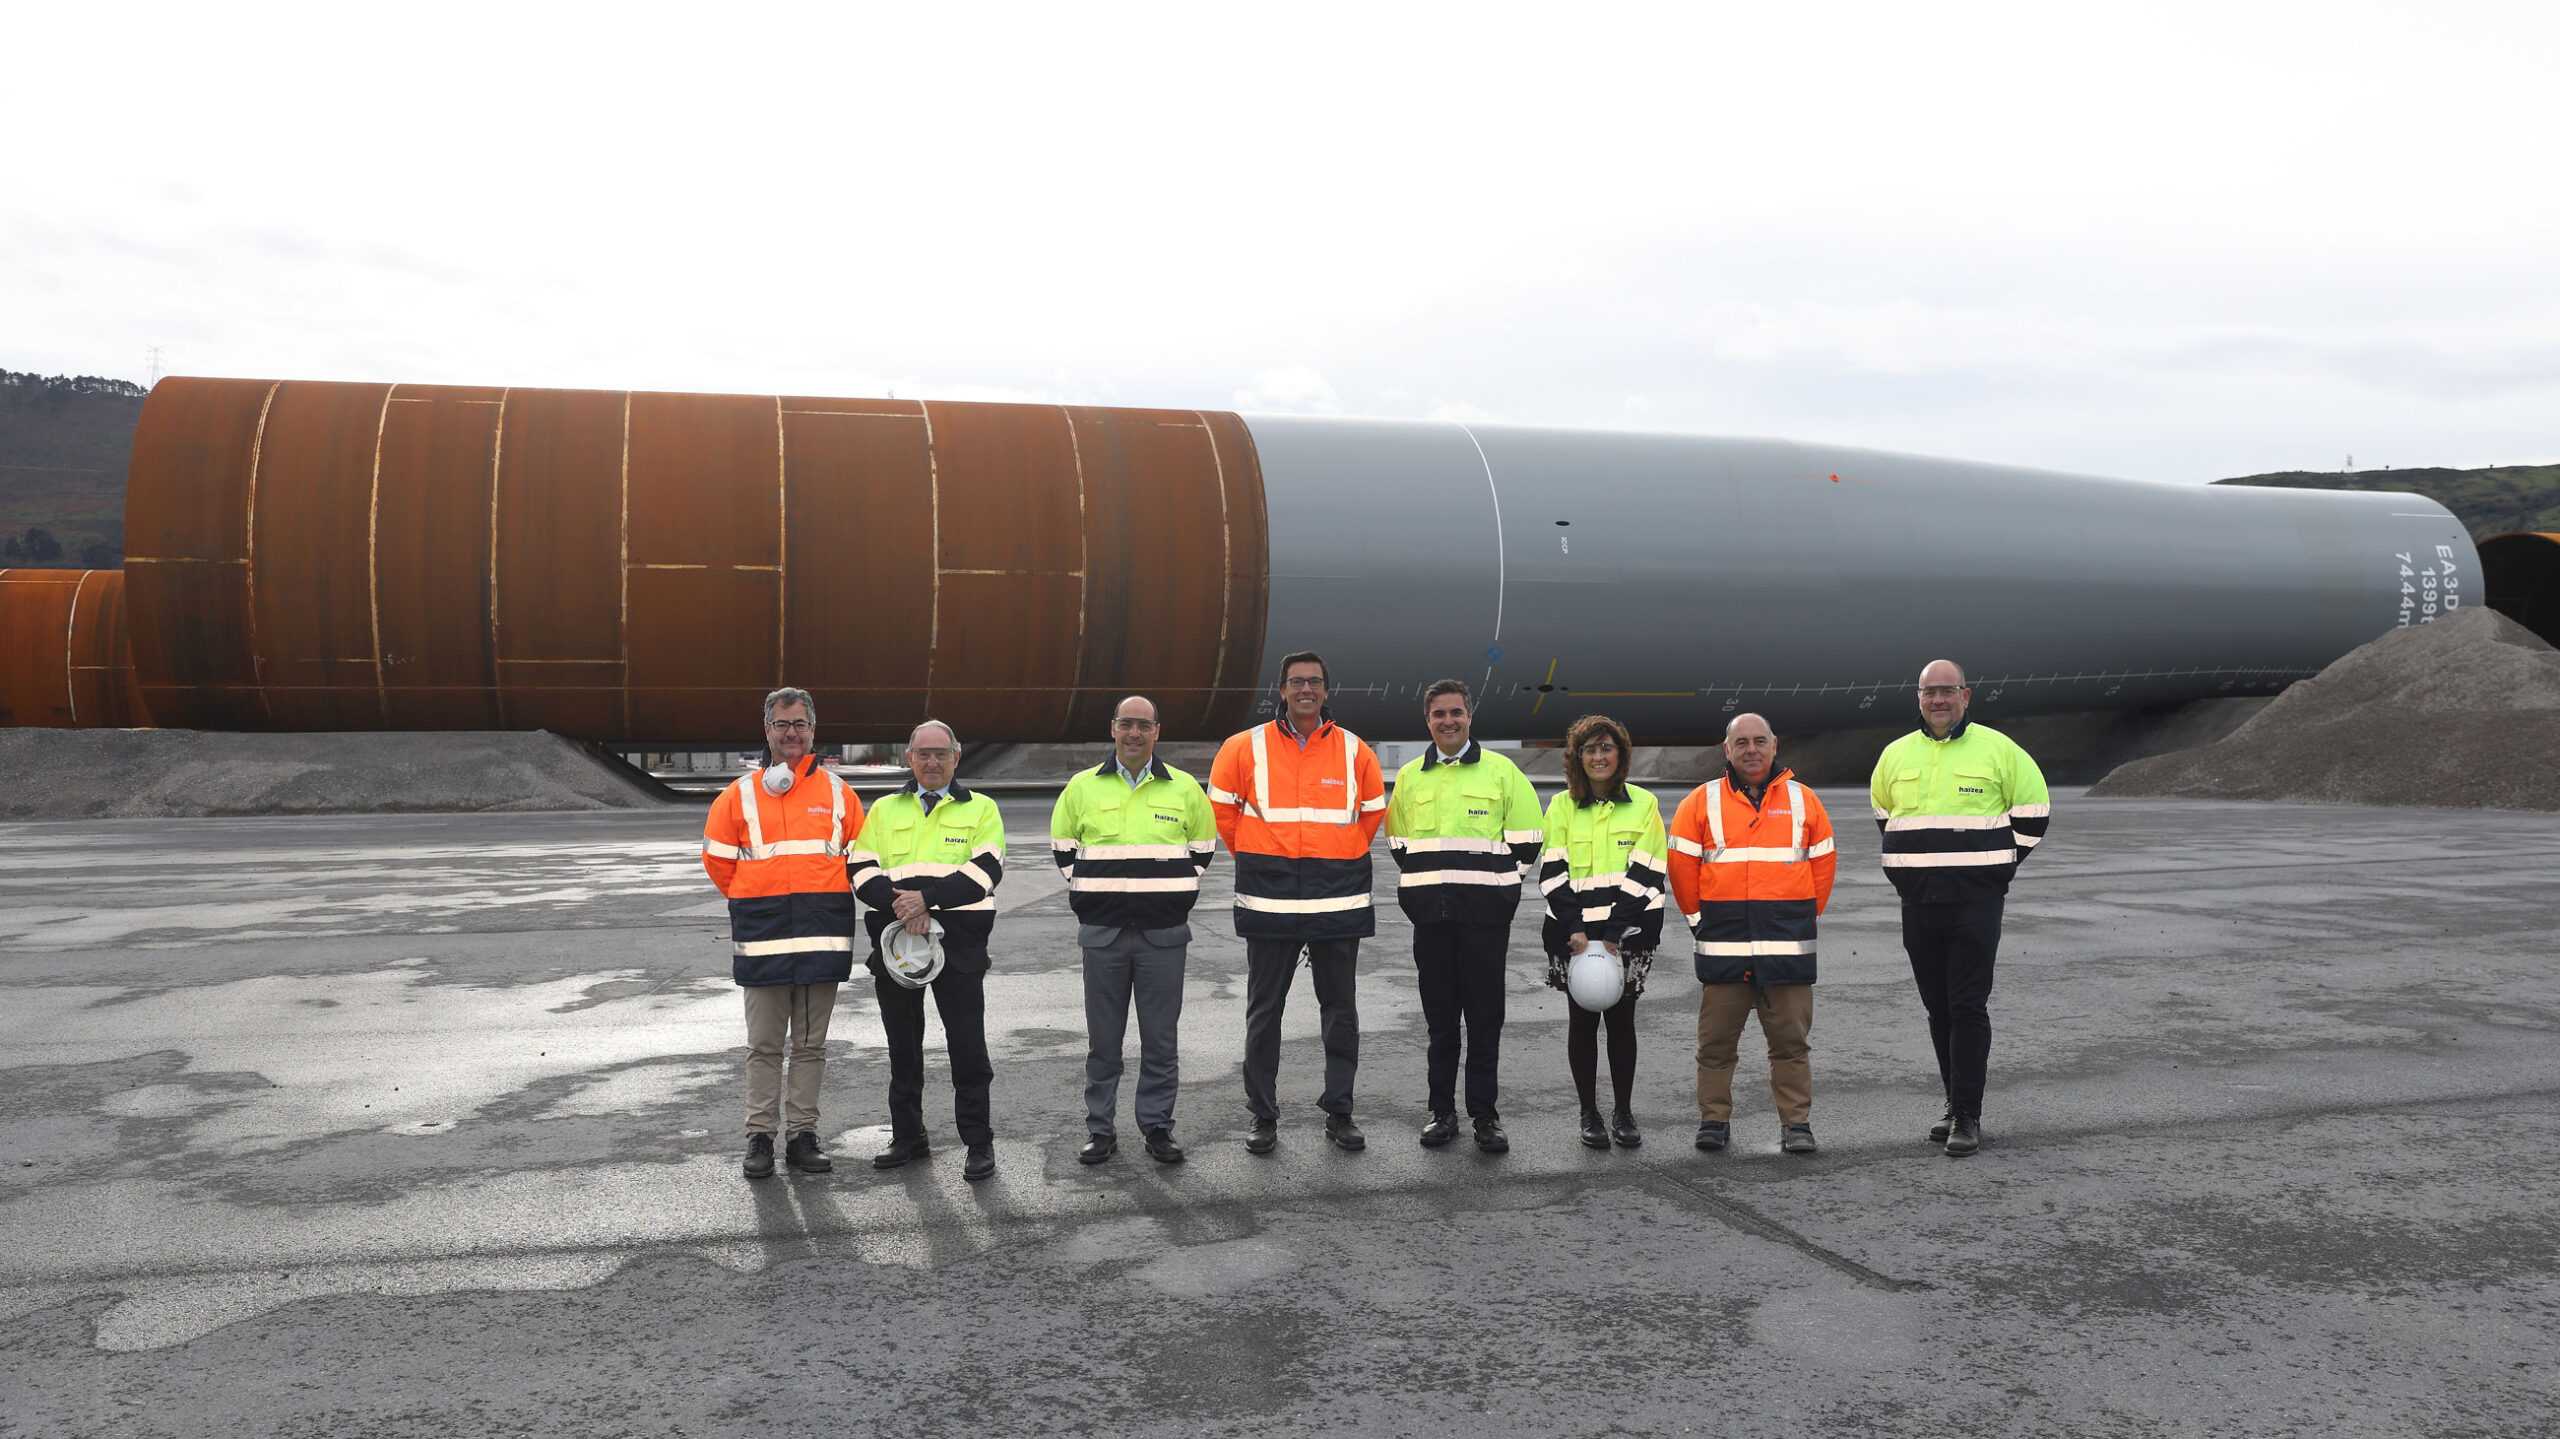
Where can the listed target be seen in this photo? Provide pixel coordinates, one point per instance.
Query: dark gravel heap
(2461, 713)
(142, 774)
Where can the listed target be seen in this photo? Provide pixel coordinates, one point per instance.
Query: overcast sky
(2163, 241)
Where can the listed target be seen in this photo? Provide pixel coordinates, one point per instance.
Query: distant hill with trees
(2494, 501)
(64, 444)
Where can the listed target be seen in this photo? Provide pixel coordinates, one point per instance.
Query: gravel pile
(2463, 713)
(150, 774)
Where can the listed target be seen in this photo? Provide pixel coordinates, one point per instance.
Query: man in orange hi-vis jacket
(1297, 803)
(775, 844)
(1752, 863)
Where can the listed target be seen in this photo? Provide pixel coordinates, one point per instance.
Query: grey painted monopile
(1673, 580)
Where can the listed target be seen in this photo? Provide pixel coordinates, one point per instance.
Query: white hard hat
(912, 959)
(1595, 978)
(777, 779)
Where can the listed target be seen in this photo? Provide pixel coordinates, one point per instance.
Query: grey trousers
(1130, 964)
(1270, 964)
(780, 1016)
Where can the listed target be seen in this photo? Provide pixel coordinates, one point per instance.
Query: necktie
(930, 799)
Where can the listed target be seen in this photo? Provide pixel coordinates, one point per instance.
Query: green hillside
(2494, 501)
(64, 443)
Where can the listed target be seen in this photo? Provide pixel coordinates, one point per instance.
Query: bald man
(928, 861)
(1752, 865)
(1961, 807)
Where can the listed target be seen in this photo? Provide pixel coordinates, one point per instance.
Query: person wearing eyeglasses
(775, 843)
(1603, 873)
(1298, 802)
(930, 857)
(1132, 835)
(1961, 807)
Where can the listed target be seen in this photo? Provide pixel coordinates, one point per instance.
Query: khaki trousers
(1786, 1021)
(799, 1012)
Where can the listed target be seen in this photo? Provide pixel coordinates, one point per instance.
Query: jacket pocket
(1904, 792)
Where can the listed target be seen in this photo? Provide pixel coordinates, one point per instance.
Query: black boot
(803, 1154)
(1595, 1135)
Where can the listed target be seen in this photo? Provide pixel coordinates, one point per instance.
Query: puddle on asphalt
(1205, 1271)
(173, 1311)
(391, 1053)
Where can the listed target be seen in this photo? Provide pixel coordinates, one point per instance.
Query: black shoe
(900, 1151)
(803, 1154)
(759, 1162)
(1441, 1129)
(1964, 1136)
(1489, 1136)
(1160, 1145)
(1946, 1121)
(1595, 1135)
(1097, 1149)
(1622, 1128)
(1264, 1138)
(1714, 1134)
(982, 1162)
(1797, 1139)
(1345, 1135)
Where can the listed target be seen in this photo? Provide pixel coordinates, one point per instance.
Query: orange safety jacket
(1751, 878)
(1299, 820)
(781, 861)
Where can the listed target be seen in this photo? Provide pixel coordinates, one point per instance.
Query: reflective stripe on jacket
(1462, 832)
(780, 860)
(1602, 871)
(1299, 821)
(1133, 857)
(954, 857)
(1959, 814)
(1751, 879)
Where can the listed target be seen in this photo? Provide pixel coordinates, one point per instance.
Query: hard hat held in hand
(777, 779)
(912, 959)
(1595, 978)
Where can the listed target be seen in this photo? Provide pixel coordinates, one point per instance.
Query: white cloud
(2181, 242)
(1290, 390)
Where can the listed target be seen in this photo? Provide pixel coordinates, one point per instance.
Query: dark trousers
(961, 1000)
(1952, 947)
(1270, 965)
(1113, 973)
(1582, 1051)
(1461, 977)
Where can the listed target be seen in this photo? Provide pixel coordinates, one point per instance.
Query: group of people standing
(1748, 860)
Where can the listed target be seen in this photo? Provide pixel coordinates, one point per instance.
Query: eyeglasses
(1940, 692)
(1303, 682)
(930, 753)
(791, 726)
(1130, 722)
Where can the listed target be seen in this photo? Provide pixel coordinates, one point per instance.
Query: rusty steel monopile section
(63, 661)
(642, 568)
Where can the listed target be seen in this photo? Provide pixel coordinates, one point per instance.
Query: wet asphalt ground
(429, 1125)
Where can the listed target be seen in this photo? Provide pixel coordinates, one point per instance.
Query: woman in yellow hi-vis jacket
(1603, 873)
